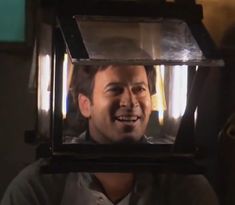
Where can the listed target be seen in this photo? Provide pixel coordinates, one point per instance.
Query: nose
(128, 99)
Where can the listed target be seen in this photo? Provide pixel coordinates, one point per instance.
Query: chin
(129, 140)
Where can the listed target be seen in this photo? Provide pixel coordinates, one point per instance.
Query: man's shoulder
(31, 186)
(32, 169)
(187, 189)
(33, 173)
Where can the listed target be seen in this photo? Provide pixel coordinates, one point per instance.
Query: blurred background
(17, 103)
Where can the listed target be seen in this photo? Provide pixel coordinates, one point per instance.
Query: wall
(219, 17)
(17, 115)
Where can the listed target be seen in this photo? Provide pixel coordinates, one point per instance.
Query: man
(116, 101)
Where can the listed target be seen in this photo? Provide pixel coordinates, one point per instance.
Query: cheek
(113, 105)
(105, 107)
(146, 104)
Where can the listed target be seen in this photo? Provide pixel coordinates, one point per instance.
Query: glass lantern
(174, 47)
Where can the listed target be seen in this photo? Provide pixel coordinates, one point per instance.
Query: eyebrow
(141, 83)
(123, 84)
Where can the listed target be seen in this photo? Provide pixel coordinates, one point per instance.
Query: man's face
(121, 104)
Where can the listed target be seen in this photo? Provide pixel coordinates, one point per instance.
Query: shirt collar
(142, 185)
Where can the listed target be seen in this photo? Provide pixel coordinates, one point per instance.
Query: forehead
(122, 74)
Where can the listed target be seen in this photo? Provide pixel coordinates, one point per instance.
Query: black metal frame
(93, 157)
(181, 157)
(191, 12)
(180, 165)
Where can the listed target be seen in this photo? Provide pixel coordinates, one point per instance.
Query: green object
(12, 21)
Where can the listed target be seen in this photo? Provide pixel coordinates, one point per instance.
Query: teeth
(127, 118)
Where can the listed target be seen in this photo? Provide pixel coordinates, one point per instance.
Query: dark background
(17, 104)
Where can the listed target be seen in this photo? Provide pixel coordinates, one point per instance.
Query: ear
(84, 105)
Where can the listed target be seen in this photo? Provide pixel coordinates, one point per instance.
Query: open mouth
(127, 118)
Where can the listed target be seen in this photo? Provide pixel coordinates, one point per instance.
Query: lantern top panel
(135, 40)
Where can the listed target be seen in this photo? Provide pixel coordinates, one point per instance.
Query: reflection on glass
(161, 111)
(160, 93)
(44, 80)
(168, 105)
(44, 49)
(160, 39)
(64, 86)
(67, 76)
(178, 92)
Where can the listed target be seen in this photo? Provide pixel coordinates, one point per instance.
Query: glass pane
(168, 104)
(139, 39)
(12, 21)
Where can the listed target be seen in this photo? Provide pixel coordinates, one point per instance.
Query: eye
(138, 89)
(115, 89)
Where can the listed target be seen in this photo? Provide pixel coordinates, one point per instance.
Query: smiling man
(115, 103)
(120, 105)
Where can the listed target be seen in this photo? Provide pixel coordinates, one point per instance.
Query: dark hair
(83, 80)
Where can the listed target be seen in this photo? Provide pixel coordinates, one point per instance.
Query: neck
(116, 185)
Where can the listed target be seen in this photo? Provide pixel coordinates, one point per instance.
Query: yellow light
(163, 108)
(158, 99)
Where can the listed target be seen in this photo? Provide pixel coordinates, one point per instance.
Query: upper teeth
(127, 118)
